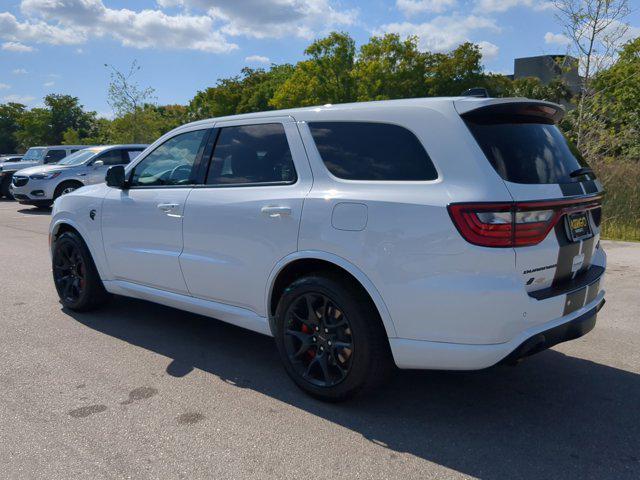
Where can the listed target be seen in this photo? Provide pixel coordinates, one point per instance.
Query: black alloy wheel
(69, 272)
(318, 340)
(75, 275)
(330, 337)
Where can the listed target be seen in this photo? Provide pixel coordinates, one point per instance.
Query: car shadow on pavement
(554, 416)
(35, 211)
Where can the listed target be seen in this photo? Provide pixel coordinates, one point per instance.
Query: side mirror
(98, 164)
(115, 177)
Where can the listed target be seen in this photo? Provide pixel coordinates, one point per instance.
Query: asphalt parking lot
(143, 391)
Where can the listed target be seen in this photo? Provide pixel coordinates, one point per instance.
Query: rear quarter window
(371, 151)
(526, 151)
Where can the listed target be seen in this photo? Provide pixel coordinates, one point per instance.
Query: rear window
(371, 151)
(527, 152)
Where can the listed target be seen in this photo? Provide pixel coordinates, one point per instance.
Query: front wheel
(75, 275)
(330, 338)
(64, 188)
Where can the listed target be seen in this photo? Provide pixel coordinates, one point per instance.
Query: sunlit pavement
(143, 391)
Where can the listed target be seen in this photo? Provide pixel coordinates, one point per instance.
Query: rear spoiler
(518, 108)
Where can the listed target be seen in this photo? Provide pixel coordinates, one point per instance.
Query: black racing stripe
(567, 250)
(592, 291)
(590, 186)
(596, 214)
(574, 301)
(588, 247)
(570, 189)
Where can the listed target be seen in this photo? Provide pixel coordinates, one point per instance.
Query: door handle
(275, 212)
(167, 207)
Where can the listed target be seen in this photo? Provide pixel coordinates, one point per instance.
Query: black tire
(338, 372)
(60, 189)
(75, 275)
(4, 187)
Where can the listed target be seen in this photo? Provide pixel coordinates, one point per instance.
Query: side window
(371, 151)
(130, 155)
(252, 154)
(112, 157)
(54, 156)
(171, 163)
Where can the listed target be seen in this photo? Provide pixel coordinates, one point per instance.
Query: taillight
(513, 224)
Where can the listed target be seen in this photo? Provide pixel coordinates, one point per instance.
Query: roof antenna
(476, 92)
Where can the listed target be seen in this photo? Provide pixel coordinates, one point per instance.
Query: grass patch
(621, 209)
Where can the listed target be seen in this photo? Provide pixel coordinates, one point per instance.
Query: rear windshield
(527, 152)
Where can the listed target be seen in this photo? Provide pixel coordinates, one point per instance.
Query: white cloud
(48, 84)
(559, 39)
(257, 59)
(37, 31)
(16, 47)
(4, 86)
(19, 71)
(271, 18)
(24, 99)
(414, 7)
(203, 25)
(490, 6)
(77, 20)
(442, 33)
(489, 50)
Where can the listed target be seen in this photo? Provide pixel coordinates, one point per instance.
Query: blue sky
(61, 46)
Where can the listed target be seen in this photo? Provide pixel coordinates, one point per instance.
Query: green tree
(611, 119)
(10, 115)
(452, 73)
(128, 99)
(66, 113)
(388, 67)
(35, 128)
(326, 77)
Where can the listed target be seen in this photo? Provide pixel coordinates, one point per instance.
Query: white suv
(445, 233)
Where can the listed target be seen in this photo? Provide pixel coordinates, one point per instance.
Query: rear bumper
(420, 354)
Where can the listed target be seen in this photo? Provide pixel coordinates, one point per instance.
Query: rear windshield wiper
(581, 171)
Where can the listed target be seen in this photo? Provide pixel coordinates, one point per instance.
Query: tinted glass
(78, 158)
(171, 163)
(55, 155)
(112, 157)
(132, 154)
(252, 154)
(34, 153)
(371, 151)
(527, 152)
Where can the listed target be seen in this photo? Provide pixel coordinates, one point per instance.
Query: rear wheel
(330, 338)
(74, 274)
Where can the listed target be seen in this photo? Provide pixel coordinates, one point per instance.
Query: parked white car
(40, 186)
(445, 233)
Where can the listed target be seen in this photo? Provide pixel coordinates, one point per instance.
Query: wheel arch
(299, 263)
(66, 181)
(61, 225)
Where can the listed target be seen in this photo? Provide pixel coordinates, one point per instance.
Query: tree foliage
(333, 71)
